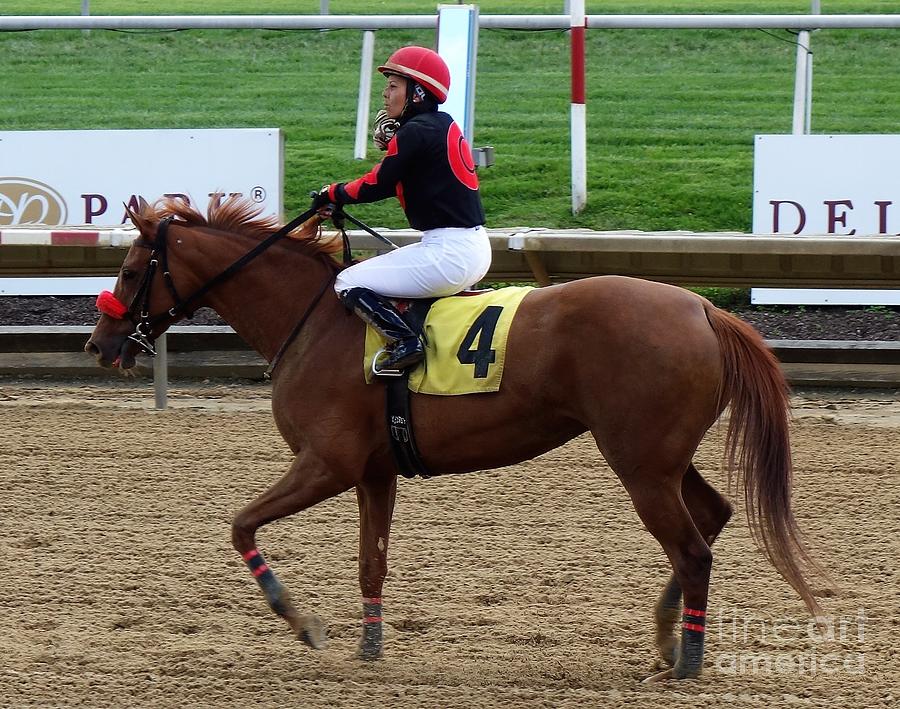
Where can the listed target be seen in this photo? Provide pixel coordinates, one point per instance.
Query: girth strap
(399, 414)
(403, 441)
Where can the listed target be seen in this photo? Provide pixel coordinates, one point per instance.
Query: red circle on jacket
(460, 156)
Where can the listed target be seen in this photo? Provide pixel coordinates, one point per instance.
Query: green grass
(725, 297)
(671, 114)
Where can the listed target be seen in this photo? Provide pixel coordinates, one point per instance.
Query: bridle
(108, 304)
(139, 309)
(159, 257)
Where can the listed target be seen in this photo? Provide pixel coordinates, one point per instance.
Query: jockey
(429, 168)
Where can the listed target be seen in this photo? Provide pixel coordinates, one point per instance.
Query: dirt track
(532, 586)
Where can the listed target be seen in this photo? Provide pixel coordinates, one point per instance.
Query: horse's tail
(757, 445)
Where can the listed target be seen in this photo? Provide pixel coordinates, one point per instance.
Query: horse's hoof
(312, 632)
(661, 676)
(675, 672)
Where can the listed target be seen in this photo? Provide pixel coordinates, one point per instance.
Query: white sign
(845, 185)
(87, 176)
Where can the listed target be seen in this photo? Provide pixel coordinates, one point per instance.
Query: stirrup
(383, 354)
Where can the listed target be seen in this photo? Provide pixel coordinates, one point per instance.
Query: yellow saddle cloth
(465, 343)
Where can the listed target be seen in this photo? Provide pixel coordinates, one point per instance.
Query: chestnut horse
(647, 368)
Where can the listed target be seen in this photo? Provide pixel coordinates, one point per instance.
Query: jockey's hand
(322, 201)
(384, 129)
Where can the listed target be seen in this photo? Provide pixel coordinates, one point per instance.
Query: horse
(646, 368)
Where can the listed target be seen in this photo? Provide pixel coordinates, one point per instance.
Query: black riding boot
(405, 347)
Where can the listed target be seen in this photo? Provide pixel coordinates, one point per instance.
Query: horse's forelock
(180, 209)
(146, 216)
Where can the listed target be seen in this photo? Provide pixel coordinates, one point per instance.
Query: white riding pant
(444, 262)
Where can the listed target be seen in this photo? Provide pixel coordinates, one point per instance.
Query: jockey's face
(394, 95)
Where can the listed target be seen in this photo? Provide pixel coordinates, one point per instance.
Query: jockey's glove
(384, 129)
(324, 199)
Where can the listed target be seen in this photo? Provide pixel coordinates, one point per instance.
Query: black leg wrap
(269, 584)
(690, 659)
(370, 647)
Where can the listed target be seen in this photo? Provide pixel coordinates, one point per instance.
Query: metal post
(807, 118)
(85, 10)
(579, 112)
(802, 119)
(323, 7)
(801, 84)
(365, 94)
(161, 373)
(816, 9)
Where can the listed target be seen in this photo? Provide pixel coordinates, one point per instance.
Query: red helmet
(423, 66)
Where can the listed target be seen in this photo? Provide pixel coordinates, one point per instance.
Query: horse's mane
(238, 215)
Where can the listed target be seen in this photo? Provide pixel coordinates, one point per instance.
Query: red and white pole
(577, 24)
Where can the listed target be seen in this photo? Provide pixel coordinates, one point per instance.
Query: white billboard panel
(846, 185)
(458, 47)
(77, 177)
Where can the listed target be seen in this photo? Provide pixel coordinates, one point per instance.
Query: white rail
(374, 22)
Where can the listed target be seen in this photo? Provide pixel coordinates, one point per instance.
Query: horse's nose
(91, 348)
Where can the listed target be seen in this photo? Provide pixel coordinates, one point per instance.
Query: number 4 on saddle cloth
(465, 350)
(465, 341)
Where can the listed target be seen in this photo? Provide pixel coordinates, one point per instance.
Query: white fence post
(579, 112)
(161, 373)
(365, 93)
(799, 125)
(802, 117)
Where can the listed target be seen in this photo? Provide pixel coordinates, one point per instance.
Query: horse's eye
(128, 274)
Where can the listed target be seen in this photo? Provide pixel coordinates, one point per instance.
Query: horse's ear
(139, 222)
(143, 205)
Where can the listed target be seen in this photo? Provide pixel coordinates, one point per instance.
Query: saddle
(465, 342)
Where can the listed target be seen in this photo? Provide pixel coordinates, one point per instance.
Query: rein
(108, 304)
(337, 217)
(296, 331)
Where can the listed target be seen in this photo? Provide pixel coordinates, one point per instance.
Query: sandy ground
(527, 587)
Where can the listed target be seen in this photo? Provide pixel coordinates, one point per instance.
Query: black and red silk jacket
(429, 168)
